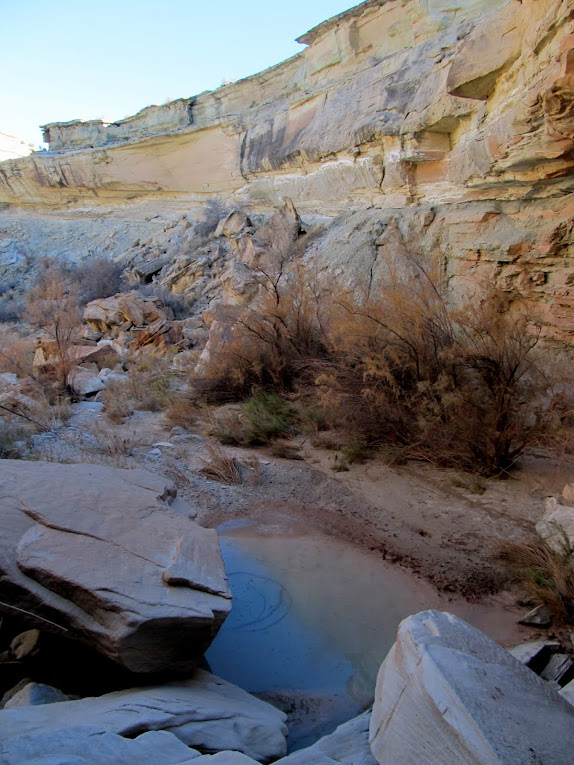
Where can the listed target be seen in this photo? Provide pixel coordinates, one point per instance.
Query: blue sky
(70, 59)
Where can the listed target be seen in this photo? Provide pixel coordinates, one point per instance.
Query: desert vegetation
(401, 369)
(398, 371)
(546, 574)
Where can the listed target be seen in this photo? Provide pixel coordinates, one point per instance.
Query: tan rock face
(462, 110)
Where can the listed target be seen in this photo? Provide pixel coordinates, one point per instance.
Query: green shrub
(266, 417)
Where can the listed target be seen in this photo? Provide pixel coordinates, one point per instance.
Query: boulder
(29, 694)
(535, 654)
(85, 381)
(447, 693)
(282, 230)
(204, 712)
(47, 355)
(348, 745)
(109, 314)
(160, 334)
(97, 551)
(556, 527)
(235, 223)
(537, 617)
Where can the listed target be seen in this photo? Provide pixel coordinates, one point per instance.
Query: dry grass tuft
(225, 426)
(182, 411)
(220, 467)
(253, 466)
(285, 450)
(546, 574)
(112, 444)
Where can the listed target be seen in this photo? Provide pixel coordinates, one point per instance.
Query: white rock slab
(446, 693)
(84, 745)
(205, 712)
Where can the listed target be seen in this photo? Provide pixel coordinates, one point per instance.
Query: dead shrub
(546, 574)
(12, 303)
(112, 444)
(16, 354)
(460, 388)
(213, 211)
(14, 437)
(268, 343)
(285, 450)
(97, 277)
(53, 307)
(117, 400)
(148, 386)
(182, 411)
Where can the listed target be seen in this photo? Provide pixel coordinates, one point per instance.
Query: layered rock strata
(449, 122)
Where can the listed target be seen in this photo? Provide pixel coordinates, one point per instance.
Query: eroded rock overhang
(389, 104)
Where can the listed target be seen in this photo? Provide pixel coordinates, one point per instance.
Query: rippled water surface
(311, 615)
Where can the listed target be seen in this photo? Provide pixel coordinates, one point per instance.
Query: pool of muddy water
(312, 619)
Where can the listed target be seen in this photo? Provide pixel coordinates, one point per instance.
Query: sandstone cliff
(422, 125)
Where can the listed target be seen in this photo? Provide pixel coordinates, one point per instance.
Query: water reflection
(310, 614)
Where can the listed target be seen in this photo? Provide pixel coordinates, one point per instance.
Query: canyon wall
(432, 127)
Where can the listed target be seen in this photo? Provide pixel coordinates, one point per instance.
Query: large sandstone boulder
(126, 309)
(204, 712)
(446, 693)
(97, 551)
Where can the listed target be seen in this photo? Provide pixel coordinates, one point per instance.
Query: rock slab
(205, 713)
(447, 693)
(348, 745)
(98, 552)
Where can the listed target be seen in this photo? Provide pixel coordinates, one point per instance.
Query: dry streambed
(314, 556)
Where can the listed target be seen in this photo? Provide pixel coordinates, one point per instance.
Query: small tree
(53, 306)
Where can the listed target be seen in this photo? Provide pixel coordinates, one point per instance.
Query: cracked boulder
(96, 554)
(448, 693)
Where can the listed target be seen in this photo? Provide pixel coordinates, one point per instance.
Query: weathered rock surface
(127, 308)
(348, 745)
(98, 551)
(86, 745)
(447, 693)
(539, 616)
(204, 712)
(556, 527)
(450, 123)
(568, 692)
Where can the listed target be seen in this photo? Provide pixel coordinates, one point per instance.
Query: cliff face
(429, 125)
